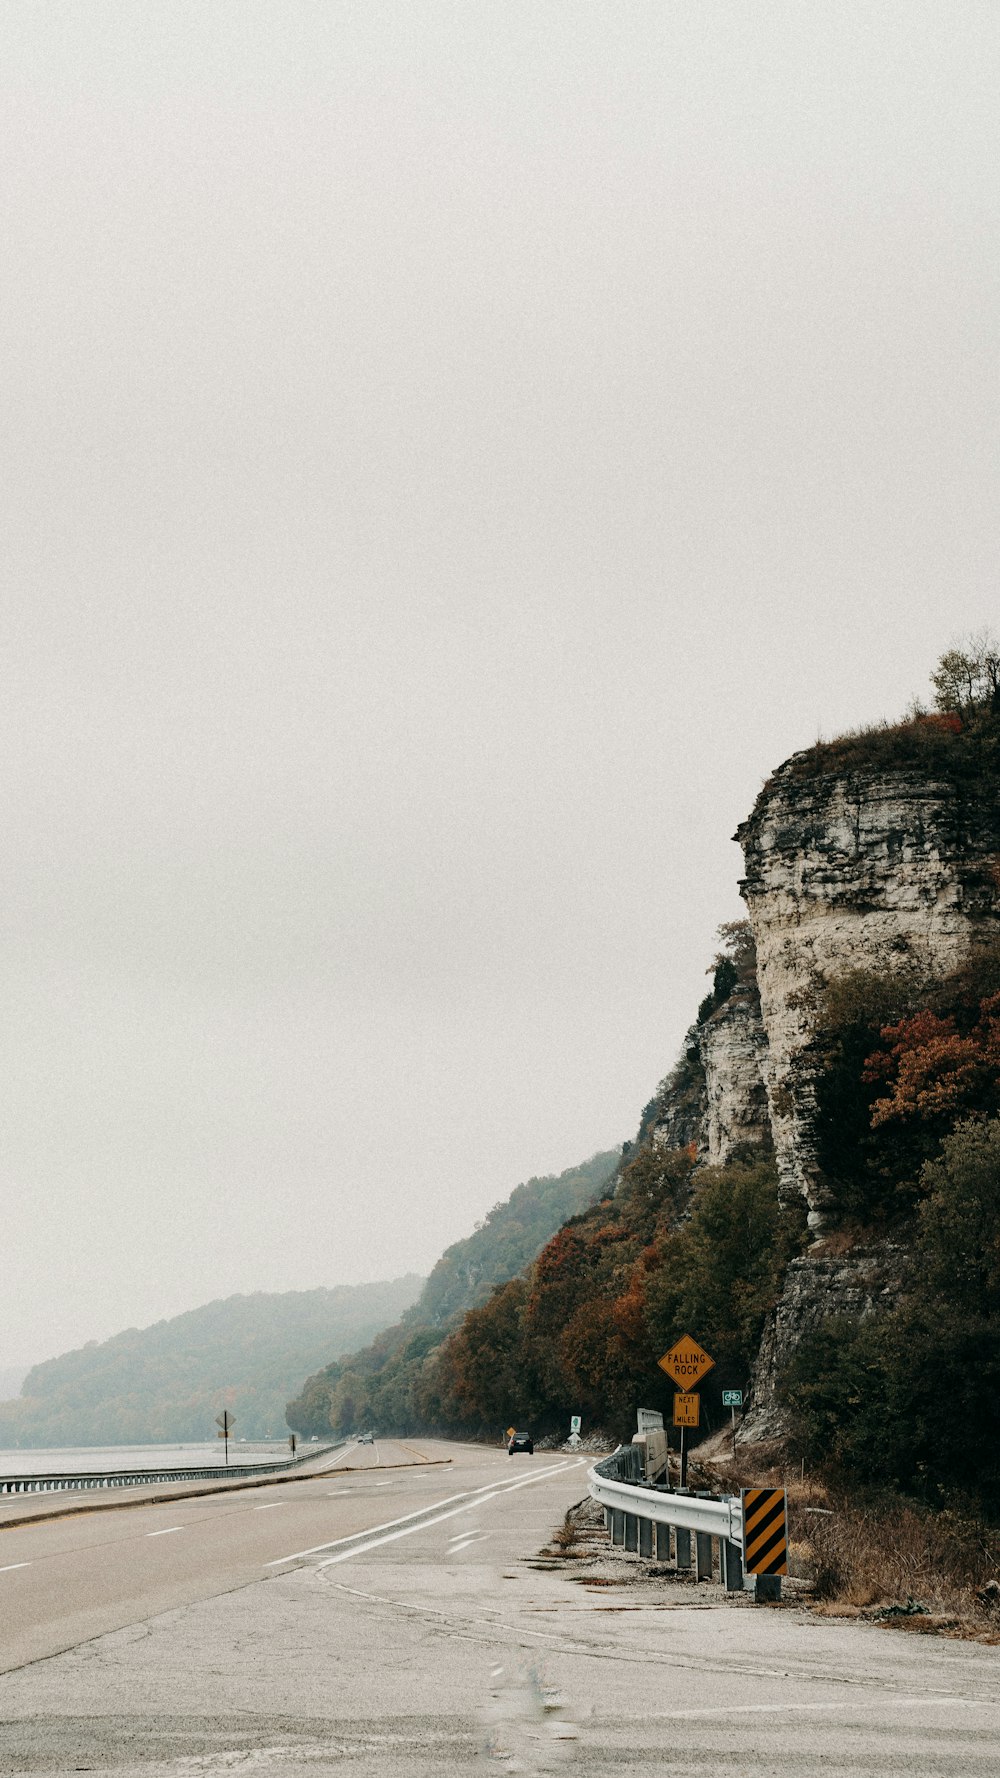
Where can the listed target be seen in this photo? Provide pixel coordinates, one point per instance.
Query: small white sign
(574, 1424)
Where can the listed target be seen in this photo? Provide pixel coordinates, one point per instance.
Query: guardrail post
(617, 1526)
(682, 1539)
(732, 1565)
(631, 1532)
(704, 1563)
(662, 1543)
(645, 1537)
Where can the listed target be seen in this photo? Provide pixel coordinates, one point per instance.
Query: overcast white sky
(451, 453)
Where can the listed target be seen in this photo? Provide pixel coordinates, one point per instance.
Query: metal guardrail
(131, 1478)
(649, 1517)
(718, 1516)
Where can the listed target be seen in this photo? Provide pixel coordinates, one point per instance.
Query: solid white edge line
(490, 1488)
(375, 1543)
(326, 1467)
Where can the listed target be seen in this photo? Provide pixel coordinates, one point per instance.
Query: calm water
(91, 1459)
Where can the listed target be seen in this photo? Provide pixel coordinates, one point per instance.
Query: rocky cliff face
(733, 1055)
(864, 869)
(680, 1110)
(864, 1281)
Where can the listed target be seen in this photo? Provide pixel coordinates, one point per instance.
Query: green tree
(967, 678)
(719, 1275)
(908, 1399)
(958, 1254)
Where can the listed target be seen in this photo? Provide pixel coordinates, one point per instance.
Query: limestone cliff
(675, 1116)
(715, 1098)
(863, 868)
(733, 1056)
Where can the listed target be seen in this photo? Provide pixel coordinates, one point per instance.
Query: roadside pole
(733, 1399)
(226, 1421)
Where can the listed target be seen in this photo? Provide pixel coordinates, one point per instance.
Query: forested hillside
(167, 1382)
(672, 1250)
(376, 1385)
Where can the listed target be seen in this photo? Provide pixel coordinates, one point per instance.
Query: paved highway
(81, 1566)
(376, 1618)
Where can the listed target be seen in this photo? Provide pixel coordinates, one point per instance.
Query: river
(97, 1459)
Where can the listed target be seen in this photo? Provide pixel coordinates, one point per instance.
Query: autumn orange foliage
(931, 1069)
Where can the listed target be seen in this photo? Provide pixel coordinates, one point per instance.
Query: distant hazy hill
(508, 1239)
(376, 1385)
(168, 1382)
(11, 1380)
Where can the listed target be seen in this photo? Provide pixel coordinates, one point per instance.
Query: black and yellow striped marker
(765, 1531)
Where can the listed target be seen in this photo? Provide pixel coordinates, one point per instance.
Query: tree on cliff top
(967, 678)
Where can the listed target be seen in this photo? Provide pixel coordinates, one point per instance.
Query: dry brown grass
(903, 1560)
(580, 1535)
(902, 1565)
(567, 1535)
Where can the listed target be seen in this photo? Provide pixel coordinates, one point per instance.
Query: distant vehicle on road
(520, 1442)
(366, 1438)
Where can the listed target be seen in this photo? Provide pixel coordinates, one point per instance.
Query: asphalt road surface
(383, 1619)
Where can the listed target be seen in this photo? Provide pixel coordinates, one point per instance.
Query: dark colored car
(366, 1438)
(520, 1442)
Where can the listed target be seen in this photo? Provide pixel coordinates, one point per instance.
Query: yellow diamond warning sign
(686, 1362)
(687, 1409)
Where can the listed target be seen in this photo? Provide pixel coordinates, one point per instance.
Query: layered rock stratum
(844, 871)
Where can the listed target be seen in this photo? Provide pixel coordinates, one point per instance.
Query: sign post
(733, 1398)
(685, 1364)
(226, 1421)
